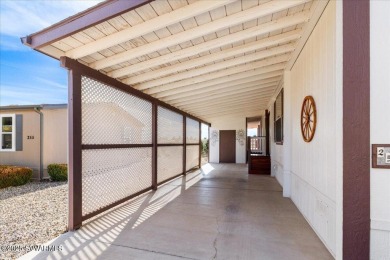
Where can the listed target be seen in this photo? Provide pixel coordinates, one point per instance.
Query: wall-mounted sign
(381, 156)
(30, 137)
(240, 136)
(214, 136)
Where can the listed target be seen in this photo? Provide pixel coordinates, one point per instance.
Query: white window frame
(13, 133)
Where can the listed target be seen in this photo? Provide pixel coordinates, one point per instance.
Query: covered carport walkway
(144, 75)
(219, 212)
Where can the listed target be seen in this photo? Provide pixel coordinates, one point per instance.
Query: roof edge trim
(73, 24)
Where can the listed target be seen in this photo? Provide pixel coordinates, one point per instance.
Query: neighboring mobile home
(34, 136)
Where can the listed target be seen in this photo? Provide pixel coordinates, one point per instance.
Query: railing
(257, 145)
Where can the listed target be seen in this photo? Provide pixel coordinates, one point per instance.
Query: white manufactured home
(315, 73)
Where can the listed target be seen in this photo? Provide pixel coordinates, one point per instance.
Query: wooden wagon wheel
(308, 118)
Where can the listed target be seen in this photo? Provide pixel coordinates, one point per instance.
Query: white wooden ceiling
(209, 58)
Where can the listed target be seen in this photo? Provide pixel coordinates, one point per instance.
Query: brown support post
(246, 140)
(267, 114)
(356, 129)
(208, 145)
(184, 145)
(75, 155)
(200, 144)
(154, 148)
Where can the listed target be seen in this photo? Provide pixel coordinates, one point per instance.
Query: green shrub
(58, 172)
(205, 146)
(14, 175)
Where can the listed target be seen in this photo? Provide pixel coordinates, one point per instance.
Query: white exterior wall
(55, 137)
(311, 173)
(227, 123)
(380, 126)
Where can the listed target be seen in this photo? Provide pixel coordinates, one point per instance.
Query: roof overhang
(26, 107)
(209, 58)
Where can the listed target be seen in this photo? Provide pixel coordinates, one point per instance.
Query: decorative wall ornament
(214, 137)
(240, 136)
(308, 118)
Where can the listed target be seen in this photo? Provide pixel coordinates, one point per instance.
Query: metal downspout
(38, 110)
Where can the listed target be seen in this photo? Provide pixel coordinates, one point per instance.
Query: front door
(227, 146)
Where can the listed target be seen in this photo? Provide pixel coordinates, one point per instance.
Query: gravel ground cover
(32, 214)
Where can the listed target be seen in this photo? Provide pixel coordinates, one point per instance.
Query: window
(7, 133)
(278, 118)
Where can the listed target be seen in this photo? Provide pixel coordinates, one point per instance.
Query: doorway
(227, 146)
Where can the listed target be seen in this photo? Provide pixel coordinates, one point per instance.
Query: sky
(26, 76)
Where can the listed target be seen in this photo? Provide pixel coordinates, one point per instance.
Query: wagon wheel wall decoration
(308, 118)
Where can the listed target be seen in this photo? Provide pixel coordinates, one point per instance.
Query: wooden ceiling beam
(242, 112)
(287, 48)
(258, 30)
(222, 76)
(237, 89)
(217, 56)
(191, 88)
(220, 24)
(208, 105)
(221, 87)
(254, 90)
(146, 27)
(227, 107)
(222, 96)
(228, 111)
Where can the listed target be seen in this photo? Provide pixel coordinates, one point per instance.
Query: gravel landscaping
(32, 214)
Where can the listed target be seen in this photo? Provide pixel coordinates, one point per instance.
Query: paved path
(219, 213)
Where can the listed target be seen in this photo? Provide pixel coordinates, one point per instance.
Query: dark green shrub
(58, 172)
(205, 146)
(14, 175)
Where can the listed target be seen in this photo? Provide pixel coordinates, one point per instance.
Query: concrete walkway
(220, 212)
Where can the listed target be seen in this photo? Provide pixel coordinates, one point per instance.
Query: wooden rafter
(258, 30)
(146, 27)
(220, 24)
(210, 68)
(224, 76)
(223, 87)
(234, 89)
(224, 54)
(275, 75)
(221, 96)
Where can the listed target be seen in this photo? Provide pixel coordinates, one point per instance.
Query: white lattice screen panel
(110, 116)
(169, 126)
(169, 162)
(109, 175)
(192, 130)
(192, 155)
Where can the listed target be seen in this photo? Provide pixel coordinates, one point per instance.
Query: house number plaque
(381, 156)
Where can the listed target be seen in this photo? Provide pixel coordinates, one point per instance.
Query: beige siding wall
(55, 137)
(313, 165)
(310, 172)
(29, 156)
